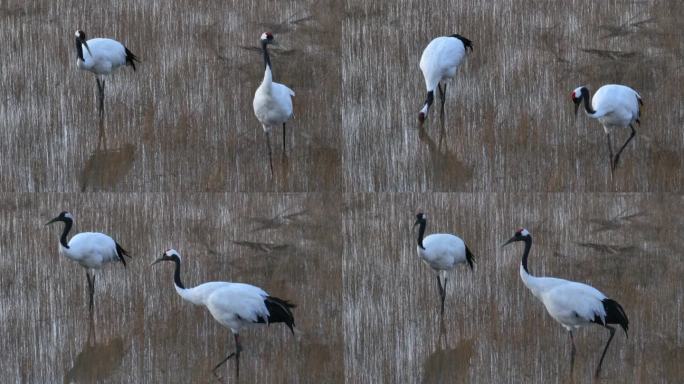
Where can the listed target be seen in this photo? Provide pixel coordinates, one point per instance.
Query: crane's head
(64, 216)
(577, 95)
(169, 255)
(267, 38)
(81, 39)
(521, 234)
(420, 218)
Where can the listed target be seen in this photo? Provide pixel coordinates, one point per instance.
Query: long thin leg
(441, 292)
(91, 290)
(238, 348)
(610, 150)
(284, 138)
(268, 144)
(572, 353)
(617, 157)
(444, 293)
(442, 96)
(612, 333)
(100, 88)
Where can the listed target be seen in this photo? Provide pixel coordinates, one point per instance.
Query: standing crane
(439, 62)
(101, 57)
(272, 101)
(572, 304)
(616, 107)
(91, 250)
(233, 305)
(442, 252)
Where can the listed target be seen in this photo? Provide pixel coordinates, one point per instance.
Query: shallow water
(179, 161)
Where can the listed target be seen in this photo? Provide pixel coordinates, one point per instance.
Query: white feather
(440, 60)
(107, 55)
(272, 102)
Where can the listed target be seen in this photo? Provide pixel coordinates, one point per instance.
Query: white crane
(272, 101)
(615, 106)
(572, 304)
(91, 250)
(233, 305)
(101, 57)
(442, 252)
(439, 62)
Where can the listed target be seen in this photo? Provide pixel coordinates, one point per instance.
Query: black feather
(470, 258)
(121, 253)
(131, 58)
(466, 43)
(615, 314)
(279, 312)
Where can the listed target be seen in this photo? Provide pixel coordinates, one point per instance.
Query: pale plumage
(439, 62)
(615, 107)
(233, 305)
(107, 55)
(272, 101)
(101, 56)
(571, 304)
(442, 252)
(91, 250)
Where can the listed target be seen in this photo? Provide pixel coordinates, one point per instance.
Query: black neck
(267, 59)
(430, 99)
(421, 233)
(586, 97)
(79, 49)
(65, 232)
(528, 245)
(176, 274)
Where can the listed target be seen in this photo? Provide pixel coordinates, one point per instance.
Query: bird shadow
(283, 218)
(449, 365)
(96, 361)
(616, 222)
(448, 172)
(106, 167)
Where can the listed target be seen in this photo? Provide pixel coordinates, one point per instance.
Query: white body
(272, 102)
(440, 60)
(616, 106)
(570, 303)
(91, 250)
(233, 305)
(107, 55)
(442, 251)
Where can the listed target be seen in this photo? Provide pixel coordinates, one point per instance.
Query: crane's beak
(512, 239)
(158, 260)
(416, 223)
(577, 105)
(52, 221)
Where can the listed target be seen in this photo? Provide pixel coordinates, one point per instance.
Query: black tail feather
(279, 312)
(615, 314)
(470, 258)
(121, 253)
(466, 43)
(131, 58)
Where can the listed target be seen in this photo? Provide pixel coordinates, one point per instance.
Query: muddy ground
(179, 161)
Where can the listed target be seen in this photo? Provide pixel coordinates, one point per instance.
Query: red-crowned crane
(616, 107)
(439, 62)
(233, 305)
(91, 250)
(272, 101)
(442, 252)
(101, 57)
(572, 304)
